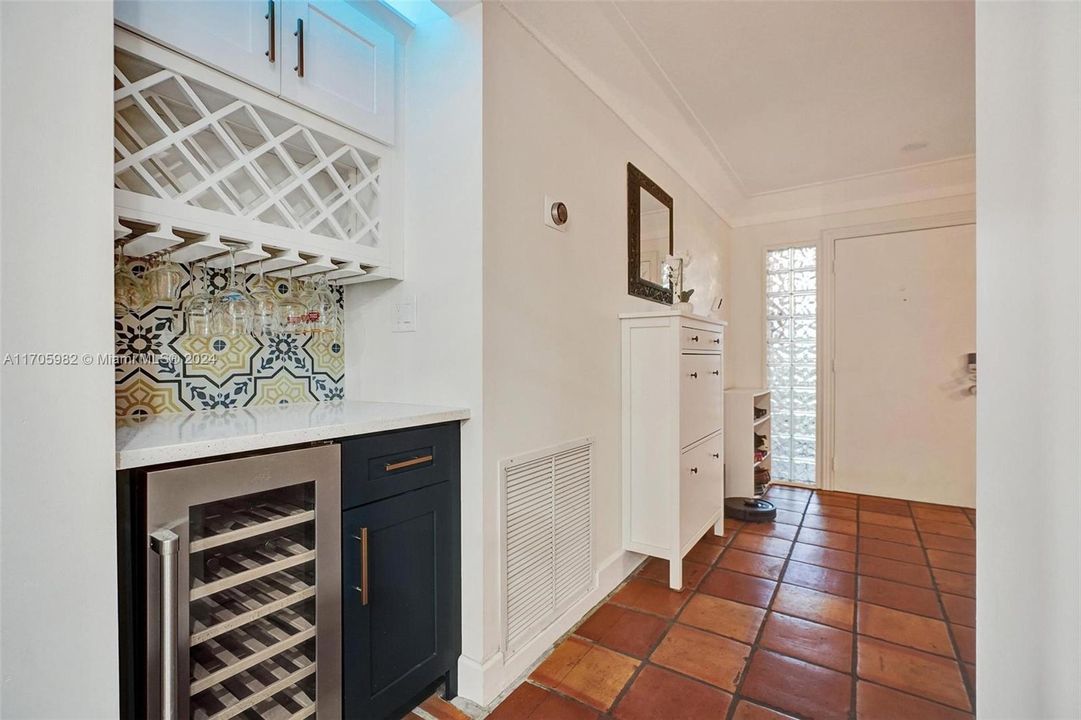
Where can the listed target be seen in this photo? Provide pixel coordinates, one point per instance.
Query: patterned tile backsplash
(161, 368)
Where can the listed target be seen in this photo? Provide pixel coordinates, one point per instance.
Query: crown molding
(682, 141)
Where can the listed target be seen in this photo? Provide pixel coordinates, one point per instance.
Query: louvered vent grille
(547, 525)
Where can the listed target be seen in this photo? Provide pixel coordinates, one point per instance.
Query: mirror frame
(636, 286)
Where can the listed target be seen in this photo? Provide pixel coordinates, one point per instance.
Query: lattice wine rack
(199, 169)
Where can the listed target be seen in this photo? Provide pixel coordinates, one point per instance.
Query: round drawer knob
(694, 470)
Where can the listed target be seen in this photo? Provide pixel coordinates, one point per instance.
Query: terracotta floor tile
(922, 601)
(956, 583)
(739, 587)
(751, 563)
(966, 642)
(703, 552)
(662, 695)
(798, 687)
(557, 707)
(556, 666)
(951, 544)
(959, 609)
(777, 547)
(836, 499)
(788, 517)
(722, 540)
(815, 606)
(838, 525)
(699, 654)
(598, 677)
(626, 631)
(651, 597)
(897, 535)
(946, 528)
(657, 570)
(884, 505)
(943, 514)
(786, 504)
(724, 617)
(773, 529)
(895, 570)
(826, 557)
(874, 702)
(833, 511)
(520, 704)
(902, 628)
(887, 519)
(820, 578)
(893, 551)
(440, 709)
(810, 641)
(952, 561)
(790, 491)
(912, 671)
(747, 710)
(969, 670)
(824, 538)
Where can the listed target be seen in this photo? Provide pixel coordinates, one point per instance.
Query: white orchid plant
(675, 265)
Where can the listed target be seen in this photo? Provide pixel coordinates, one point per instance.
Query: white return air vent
(547, 537)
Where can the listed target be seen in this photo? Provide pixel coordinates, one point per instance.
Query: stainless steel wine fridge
(243, 587)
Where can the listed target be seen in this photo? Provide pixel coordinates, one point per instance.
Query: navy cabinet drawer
(375, 467)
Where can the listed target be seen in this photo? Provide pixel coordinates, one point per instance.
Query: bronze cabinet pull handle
(716, 341)
(694, 374)
(299, 35)
(694, 338)
(271, 23)
(716, 372)
(363, 538)
(420, 460)
(694, 470)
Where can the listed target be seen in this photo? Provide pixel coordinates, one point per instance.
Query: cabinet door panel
(349, 66)
(402, 639)
(231, 35)
(701, 395)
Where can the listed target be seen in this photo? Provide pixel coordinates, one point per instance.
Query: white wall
(551, 299)
(440, 363)
(1028, 130)
(58, 612)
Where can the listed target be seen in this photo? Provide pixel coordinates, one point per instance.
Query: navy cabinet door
(404, 638)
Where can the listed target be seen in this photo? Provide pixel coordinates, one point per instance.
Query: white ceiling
(796, 93)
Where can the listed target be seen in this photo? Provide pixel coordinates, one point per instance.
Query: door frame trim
(827, 244)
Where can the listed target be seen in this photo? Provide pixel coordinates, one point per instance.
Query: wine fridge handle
(164, 543)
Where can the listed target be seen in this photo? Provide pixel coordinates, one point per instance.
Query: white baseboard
(483, 682)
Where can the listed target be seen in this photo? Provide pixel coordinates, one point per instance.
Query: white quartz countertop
(177, 437)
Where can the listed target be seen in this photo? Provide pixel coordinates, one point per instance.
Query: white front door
(904, 321)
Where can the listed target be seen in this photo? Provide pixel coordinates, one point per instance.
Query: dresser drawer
(701, 485)
(375, 467)
(701, 396)
(692, 338)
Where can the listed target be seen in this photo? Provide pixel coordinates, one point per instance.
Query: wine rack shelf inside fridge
(249, 582)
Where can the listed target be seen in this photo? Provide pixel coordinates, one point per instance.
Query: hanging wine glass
(292, 314)
(162, 281)
(322, 307)
(266, 306)
(128, 293)
(199, 307)
(234, 311)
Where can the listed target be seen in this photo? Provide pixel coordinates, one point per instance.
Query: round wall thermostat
(559, 213)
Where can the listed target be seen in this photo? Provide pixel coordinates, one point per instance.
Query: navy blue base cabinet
(401, 579)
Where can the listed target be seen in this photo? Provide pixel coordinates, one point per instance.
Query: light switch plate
(405, 316)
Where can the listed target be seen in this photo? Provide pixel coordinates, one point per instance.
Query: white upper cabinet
(240, 38)
(341, 64)
(326, 56)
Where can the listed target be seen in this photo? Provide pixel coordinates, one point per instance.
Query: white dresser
(673, 442)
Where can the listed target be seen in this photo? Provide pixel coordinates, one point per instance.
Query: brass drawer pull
(390, 467)
(363, 538)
